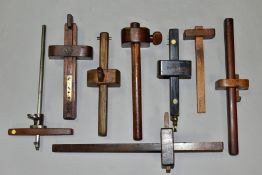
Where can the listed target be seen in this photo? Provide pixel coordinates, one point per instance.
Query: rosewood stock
(137, 37)
(232, 85)
(70, 52)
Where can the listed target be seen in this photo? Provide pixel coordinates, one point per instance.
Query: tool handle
(136, 91)
(103, 90)
(231, 91)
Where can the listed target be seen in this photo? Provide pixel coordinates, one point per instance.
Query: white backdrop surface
(20, 30)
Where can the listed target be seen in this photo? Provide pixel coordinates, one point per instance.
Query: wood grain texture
(231, 92)
(200, 75)
(232, 84)
(136, 91)
(241, 84)
(39, 131)
(131, 35)
(103, 78)
(139, 147)
(61, 51)
(137, 37)
(198, 34)
(112, 78)
(70, 52)
(191, 34)
(70, 69)
(103, 90)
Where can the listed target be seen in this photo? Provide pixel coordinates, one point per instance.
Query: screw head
(13, 132)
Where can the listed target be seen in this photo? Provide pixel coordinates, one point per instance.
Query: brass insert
(69, 87)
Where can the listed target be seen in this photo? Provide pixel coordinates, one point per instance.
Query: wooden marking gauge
(198, 34)
(103, 78)
(70, 52)
(167, 147)
(174, 69)
(38, 128)
(136, 37)
(232, 85)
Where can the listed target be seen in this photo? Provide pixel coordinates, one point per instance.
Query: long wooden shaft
(70, 76)
(200, 75)
(139, 147)
(103, 90)
(136, 91)
(231, 92)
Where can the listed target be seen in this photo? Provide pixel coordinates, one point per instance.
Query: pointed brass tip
(174, 119)
(37, 146)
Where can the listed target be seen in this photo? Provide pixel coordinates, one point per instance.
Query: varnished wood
(111, 79)
(70, 69)
(39, 131)
(70, 52)
(136, 91)
(241, 84)
(137, 37)
(139, 148)
(198, 34)
(190, 34)
(103, 78)
(200, 75)
(103, 90)
(61, 51)
(232, 84)
(231, 92)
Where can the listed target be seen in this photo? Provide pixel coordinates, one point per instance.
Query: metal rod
(41, 72)
(40, 85)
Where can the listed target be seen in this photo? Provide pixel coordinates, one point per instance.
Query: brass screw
(173, 41)
(13, 131)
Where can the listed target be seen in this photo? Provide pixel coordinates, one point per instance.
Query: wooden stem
(136, 91)
(103, 90)
(70, 76)
(200, 75)
(231, 92)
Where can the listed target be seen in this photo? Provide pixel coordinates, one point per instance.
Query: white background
(20, 30)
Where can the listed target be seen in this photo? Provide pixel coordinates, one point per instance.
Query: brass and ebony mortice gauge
(38, 128)
(174, 69)
(70, 52)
